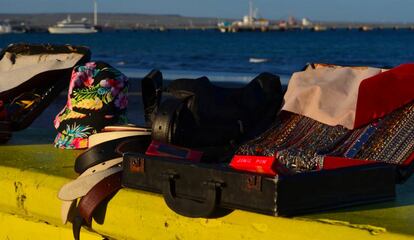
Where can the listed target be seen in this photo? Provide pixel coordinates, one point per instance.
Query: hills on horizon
(113, 20)
(138, 20)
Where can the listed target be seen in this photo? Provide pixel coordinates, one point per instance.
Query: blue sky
(330, 10)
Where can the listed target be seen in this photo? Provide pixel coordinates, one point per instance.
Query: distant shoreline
(153, 21)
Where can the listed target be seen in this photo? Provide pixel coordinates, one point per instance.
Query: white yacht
(67, 27)
(5, 28)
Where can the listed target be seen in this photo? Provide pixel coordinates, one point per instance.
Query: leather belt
(163, 123)
(128, 127)
(103, 152)
(97, 194)
(102, 166)
(100, 178)
(102, 137)
(82, 185)
(87, 205)
(68, 205)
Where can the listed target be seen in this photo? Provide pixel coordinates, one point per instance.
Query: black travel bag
(198, 113)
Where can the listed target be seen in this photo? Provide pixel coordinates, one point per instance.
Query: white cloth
(327, 94)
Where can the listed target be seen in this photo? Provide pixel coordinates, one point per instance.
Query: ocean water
(234, 56)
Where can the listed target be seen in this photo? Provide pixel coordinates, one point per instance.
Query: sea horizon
(236, 57)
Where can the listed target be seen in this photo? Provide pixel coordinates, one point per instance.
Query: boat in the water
(249, 23)
(319, 28)
(5, 28)
(365, 29)
(68, 27)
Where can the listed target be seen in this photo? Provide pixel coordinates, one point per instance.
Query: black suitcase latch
(137, 165)
(254, 183)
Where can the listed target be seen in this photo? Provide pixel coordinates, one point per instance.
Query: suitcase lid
(21, 63)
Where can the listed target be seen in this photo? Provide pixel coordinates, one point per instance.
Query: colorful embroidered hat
(97, 97)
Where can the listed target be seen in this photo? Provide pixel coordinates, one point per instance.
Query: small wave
(258, 60)
(120, 63)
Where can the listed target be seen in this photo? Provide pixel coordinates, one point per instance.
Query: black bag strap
(175, 123)
(151, 87)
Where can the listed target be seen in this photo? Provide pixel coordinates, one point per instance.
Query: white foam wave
(258, 60)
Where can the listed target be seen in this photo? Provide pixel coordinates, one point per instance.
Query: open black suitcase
(339, 177)
(201, 190)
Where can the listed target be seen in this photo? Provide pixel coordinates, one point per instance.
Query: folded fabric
(349, 96)
(327, 93)
(97, 98)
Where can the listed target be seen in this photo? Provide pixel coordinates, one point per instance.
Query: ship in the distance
(249, 23)
(67, 26)
(5, 28)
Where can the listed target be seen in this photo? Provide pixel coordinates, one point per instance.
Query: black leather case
(204, 190)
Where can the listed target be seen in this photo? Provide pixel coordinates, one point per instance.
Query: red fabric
(383, 93)
(255, 164)
(330, 163)
(3, 112)
(409, 160)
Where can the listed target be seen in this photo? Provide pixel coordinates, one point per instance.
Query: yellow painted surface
(15, 227)
(31, 175)
(149, 218)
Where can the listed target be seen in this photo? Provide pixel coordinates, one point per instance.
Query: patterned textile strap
(299, 143)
